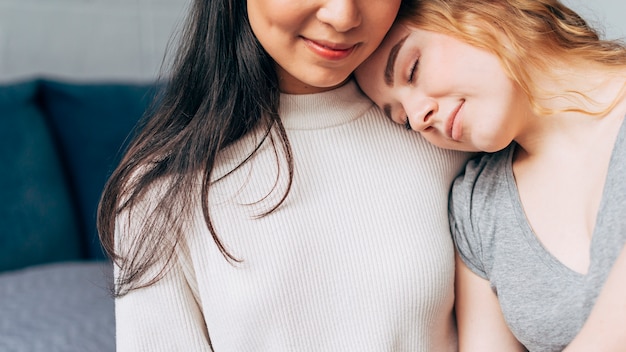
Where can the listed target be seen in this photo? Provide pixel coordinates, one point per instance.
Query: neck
(598, 104)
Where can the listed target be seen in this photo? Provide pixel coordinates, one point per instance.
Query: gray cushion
(63, 307)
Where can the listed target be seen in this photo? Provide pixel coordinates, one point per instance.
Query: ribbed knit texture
(358, 258)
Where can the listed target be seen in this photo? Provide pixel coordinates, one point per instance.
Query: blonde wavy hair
(528, 36)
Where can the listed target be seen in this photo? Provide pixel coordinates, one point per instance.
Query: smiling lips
(329, 51)
(454, 128)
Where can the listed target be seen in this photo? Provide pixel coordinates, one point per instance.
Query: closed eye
(412, 71)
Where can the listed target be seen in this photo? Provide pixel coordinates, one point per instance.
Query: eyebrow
(391, 61)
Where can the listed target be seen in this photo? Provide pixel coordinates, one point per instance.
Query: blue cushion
(37, 220)
(92, 123)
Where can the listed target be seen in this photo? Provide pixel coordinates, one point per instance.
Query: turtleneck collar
(322, 110)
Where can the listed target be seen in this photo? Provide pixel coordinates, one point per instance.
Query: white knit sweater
(358, 258)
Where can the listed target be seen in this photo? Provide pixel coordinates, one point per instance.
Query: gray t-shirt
(544, 302)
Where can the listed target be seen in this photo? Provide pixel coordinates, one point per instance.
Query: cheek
(492, 133)
(378, 16)
(378, 10)
(438, 140)
(266, 16)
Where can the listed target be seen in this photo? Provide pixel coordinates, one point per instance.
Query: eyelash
(413, 70)
(407, 123)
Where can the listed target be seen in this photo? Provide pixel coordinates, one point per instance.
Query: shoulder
(151, 202)
(482, 179)
(475, 203)
(483, 175)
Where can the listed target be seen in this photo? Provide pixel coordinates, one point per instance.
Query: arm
(605, 329)
(162, 317)
(480, 322)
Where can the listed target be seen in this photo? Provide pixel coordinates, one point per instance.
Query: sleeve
(461, 205)
(165, 315)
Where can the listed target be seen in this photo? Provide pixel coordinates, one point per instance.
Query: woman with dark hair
(539, 219)
(258, 207)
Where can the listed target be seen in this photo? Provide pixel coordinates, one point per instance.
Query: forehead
(371, 74)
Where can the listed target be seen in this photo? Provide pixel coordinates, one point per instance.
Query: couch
(59, 141)
(75, 75)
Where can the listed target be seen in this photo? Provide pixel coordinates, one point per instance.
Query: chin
(333, 83)
(451, 145)
(492, 148)
(490, 143)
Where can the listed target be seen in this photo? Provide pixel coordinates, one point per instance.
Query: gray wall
(86, 39)
(609, 16)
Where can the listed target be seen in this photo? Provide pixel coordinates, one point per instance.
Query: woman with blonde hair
(538, 220)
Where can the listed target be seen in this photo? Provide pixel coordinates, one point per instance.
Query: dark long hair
(222, 85)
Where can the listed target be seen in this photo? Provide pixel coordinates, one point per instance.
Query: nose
(421, 113)
(342, 15)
